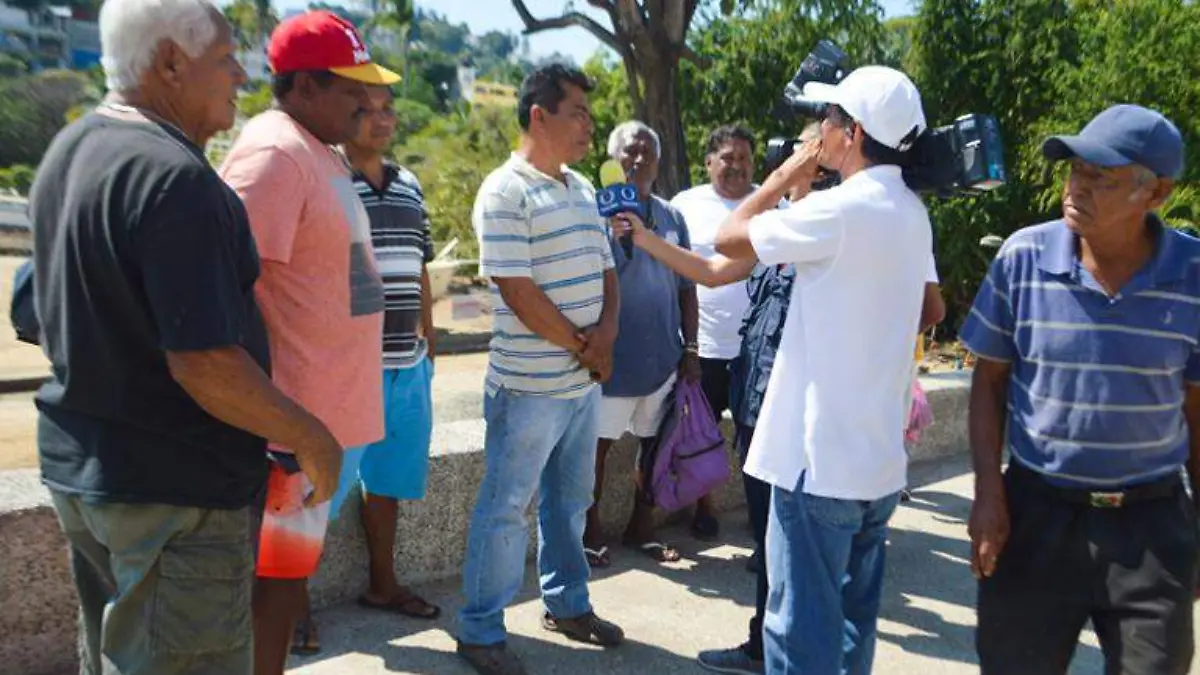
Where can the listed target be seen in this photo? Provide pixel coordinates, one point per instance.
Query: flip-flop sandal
(304, 638)
(597, 558)
(410, 605)
(657, 551)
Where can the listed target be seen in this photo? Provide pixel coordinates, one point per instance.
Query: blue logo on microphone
(619, 198)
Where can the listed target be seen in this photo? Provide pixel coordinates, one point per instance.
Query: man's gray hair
(626, 132)
(131, 31)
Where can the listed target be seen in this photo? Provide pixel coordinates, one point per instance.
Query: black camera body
(965, 157)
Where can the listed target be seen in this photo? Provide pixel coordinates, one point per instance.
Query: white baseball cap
(883, 100)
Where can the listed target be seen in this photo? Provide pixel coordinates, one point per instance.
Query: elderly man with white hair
(657, 341)
(152, 431)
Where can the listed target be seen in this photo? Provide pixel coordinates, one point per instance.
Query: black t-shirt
(140, 249)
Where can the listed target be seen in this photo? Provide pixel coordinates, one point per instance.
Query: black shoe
(587, 628)
(491, 659)
(735, 660)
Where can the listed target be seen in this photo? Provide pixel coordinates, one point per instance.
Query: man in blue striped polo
(1088, 336)
(555, 296)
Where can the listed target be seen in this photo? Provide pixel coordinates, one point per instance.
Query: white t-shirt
(721, 309)
(834, 406)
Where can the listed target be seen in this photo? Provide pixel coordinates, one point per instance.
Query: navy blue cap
(1124, 135)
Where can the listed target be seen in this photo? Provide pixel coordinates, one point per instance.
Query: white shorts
(639, 415)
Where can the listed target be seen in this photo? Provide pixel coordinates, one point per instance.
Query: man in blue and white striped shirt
(556, 303)
(1088, 336)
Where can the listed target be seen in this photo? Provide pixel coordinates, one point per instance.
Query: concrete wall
(37, 624)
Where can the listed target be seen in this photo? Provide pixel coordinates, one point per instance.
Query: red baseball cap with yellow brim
(321, 40)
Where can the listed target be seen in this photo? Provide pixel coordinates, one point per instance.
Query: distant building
(483, 92)
(84, 40)
(51, 37)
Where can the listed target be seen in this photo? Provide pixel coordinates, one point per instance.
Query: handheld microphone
(618, 195)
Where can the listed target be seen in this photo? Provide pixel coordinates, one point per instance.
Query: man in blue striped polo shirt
(1088, 336)
(555, 296)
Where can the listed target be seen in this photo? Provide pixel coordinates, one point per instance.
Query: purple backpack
(689, 459)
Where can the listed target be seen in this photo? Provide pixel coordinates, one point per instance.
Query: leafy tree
(412, 117)
(18, 178)
(650, 39)
(354, 16)
(897, 44)
(436, 79)
(33, 109)
(451, 157)
(12, 66)
(1001, 57)
(396, 17)
(505, 72)
(610, 106)
(498, 45)
(753, 56)
(437, 33)
(1131, 52)
(255, 101)
(253, 20)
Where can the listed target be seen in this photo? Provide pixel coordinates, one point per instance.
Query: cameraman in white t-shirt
(829, 437)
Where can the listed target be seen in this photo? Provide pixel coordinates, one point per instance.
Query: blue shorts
(397, 465)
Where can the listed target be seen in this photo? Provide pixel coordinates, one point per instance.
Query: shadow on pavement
(704, 601)
(929, 595)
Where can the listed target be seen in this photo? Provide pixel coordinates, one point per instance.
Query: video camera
(966, 157)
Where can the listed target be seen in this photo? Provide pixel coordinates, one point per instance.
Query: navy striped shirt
(1097, 386)
(400, 236)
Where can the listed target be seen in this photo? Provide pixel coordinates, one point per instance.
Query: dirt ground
(17, 359)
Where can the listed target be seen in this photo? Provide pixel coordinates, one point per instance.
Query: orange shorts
(292, 537)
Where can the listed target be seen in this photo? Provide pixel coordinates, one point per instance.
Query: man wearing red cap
(320, 293)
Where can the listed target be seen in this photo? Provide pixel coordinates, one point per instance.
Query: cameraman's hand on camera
(800, 170)
(629, 223)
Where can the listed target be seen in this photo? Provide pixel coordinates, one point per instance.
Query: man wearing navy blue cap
(1088, 336)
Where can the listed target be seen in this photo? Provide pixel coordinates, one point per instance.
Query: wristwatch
(692, 348)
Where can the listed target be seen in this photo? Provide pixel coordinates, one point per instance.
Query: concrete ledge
(38, 624)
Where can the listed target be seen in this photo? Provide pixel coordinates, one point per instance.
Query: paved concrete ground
(671, 612)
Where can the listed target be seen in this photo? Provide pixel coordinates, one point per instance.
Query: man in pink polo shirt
(320, 294)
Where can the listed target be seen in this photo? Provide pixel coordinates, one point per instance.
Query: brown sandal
(304, 638)
(406, 604)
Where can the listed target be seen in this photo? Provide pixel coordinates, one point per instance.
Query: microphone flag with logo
(618, 195)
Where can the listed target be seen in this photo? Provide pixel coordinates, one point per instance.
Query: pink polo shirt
(320, 293)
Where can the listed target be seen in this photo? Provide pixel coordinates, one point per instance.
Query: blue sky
(485, 15)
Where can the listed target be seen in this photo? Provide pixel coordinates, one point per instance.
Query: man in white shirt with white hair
(829, 437)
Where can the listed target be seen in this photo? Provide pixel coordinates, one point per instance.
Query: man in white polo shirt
(545, 249)
(829, 437)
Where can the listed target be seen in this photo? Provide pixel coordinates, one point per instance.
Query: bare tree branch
(535, 25)
(605, 5)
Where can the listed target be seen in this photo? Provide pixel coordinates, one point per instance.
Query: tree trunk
(660, 109)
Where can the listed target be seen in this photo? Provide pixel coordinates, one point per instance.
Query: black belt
(1113, 498)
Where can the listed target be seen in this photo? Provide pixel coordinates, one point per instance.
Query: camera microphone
(618, 195)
